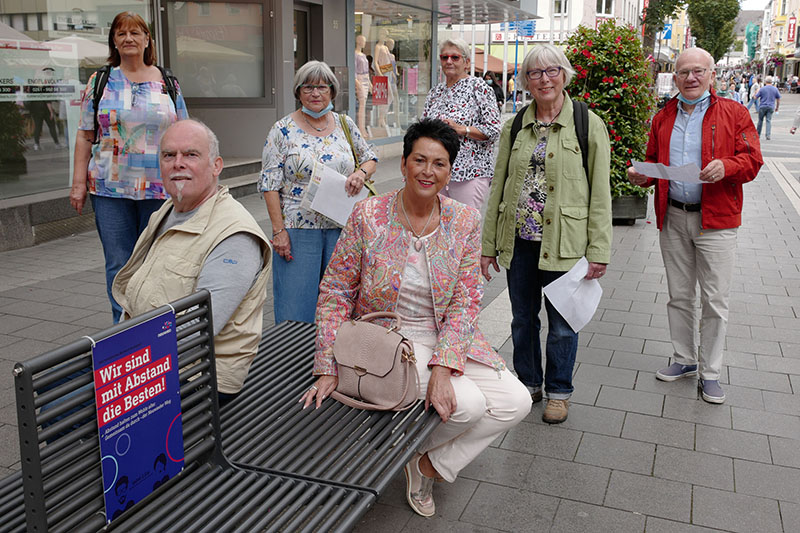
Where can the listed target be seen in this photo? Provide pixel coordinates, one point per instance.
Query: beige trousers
(488, 403)
(695, 255)
(471, 192)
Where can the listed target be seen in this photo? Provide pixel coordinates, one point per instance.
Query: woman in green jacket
(544, 213)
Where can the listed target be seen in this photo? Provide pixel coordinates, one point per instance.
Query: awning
(495, 64)
(482, 12)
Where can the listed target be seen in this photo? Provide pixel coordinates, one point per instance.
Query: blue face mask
(317, 114)
(696, 100)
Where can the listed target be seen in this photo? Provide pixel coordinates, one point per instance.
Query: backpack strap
(517, 125)
(100, 81)
(580, 112)
(169, 83)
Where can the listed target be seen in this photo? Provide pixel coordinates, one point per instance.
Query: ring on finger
(313, 387)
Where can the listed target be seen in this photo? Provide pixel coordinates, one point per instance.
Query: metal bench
(61, 472)
(266, 428)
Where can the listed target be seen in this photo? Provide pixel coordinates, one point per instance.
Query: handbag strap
(346, 130)
(383, 314)
(369, 184)
(358, 404)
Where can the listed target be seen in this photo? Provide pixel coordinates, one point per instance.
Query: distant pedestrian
(769, 100)
(699, 222)
(754, 88)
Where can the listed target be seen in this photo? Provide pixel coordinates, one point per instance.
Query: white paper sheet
(575, 297)
(686, 173)
(331, 198)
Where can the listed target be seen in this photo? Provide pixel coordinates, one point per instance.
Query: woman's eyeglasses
(452, 57)
(308, 89)
(537, 74)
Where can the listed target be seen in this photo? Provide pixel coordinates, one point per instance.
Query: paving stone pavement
(635, 454)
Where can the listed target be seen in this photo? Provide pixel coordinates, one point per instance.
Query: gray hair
(455, 42)
(768, 80)
(544, 55)
(315, 71)
(213, 141)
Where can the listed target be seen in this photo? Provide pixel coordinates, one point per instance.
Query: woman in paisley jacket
(417, 253)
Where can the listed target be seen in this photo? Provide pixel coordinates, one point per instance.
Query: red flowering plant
(613, 77)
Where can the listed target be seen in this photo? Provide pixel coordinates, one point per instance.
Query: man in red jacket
(699, 221)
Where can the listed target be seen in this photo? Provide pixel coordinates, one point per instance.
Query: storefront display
(393, 62)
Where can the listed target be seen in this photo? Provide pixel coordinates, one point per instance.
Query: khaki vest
(165, 269)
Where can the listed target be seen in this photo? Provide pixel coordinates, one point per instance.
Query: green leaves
(613, 77)
(712, 23)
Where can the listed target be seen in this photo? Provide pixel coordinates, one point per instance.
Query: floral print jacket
(365, 275)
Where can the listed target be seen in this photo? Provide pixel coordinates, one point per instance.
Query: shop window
(392, 66)
(216, 49)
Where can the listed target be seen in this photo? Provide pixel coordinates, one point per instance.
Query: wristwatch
(466, 134)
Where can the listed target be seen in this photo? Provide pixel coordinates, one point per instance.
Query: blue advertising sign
(138, 411)
(667, 33)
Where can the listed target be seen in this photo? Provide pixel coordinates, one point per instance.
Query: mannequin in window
(394, 99)
(382, 66)
(363, 85)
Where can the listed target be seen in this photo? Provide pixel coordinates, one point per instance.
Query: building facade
(235, 61)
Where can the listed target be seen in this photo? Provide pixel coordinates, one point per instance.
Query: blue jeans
(119, 222)
(295, 283)
(765, 112)
(751, 103)
(525, 282)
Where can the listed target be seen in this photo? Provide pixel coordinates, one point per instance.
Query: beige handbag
(377, 367)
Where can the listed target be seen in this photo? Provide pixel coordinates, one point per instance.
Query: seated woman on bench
(417, 253)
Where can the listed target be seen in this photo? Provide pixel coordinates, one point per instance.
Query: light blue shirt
(685, 146)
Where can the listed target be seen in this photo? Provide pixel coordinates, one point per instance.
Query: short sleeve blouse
(472, 103)
(131, 117)
(287, 162)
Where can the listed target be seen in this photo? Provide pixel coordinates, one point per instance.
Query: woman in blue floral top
(303, 239)
(468, 106)
(117, 165)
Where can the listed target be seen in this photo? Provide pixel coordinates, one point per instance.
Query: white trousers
(695, 255)
(488, 403)
(471, 192)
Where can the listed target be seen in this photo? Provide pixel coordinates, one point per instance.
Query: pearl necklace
(417, 236)
(313, 126)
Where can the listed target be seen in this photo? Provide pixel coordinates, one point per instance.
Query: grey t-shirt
(229, 271)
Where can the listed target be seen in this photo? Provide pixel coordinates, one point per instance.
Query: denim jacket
(577, 213)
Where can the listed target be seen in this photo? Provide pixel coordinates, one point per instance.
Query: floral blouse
(534, 189)
(287, 162)
(472, 103)
(131, 118)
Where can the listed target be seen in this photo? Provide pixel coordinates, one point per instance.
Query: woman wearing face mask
(491, 81)
(303, 239)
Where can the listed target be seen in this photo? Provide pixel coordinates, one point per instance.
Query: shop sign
(790, 32)
(137, 391)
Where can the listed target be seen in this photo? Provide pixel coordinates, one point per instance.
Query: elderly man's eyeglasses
(452, 57)
(308, 89)
(536, 74)
(698, 73)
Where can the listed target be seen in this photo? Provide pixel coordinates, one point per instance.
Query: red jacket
(728, 135)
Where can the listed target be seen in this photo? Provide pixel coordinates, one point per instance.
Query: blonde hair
(544, 55)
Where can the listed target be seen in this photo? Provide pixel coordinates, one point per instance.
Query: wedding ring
(313, 387)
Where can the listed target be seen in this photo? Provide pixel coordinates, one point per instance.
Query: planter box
(626, 209)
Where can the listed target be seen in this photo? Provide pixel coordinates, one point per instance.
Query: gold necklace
(417, 236)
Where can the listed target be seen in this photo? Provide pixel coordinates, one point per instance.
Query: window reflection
(216, 51)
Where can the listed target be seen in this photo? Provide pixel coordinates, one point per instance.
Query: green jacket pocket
(574, 236)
